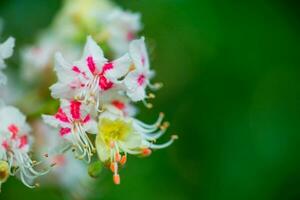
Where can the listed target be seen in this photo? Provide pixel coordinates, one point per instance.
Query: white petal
(102, 149)
(91, 48)
(120, 68)
(91, 127)
(49, 119)
(134, 91)
(138, 53)
(6, 48)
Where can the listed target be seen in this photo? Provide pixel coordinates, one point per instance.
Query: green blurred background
(232, 93)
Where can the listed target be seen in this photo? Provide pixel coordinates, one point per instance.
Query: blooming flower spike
(74, 122)
(140, 74)
(84, 80)
(6, 50)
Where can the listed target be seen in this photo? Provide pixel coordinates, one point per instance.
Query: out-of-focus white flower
(15, 146)
(84, 80)
(37, 57)
(120, 28)
(78, 18)
(6, 50)
(120, 135)
(140, 74)
(74, 121)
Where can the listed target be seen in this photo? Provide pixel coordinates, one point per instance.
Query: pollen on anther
(146, 152)
(123, 160)
(116, 179)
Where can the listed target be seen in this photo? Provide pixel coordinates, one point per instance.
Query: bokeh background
(232, 93)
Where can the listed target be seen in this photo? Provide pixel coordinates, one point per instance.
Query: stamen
(117, 157)
(123, 160)
(146, 152)
(151, 96)
(112, 167)
(164, 126)
(116, 179)
(161, 146)
(155, 86)
(147, 105)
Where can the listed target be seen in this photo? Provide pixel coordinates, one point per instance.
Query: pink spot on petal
(106, 67)
(91, 64)
(61, 115)
(143, 60)
(13, 129)
(76, 69)
(5, 144)
(64, 131)
(130, 36)
(104, 83)
(23, 141)
(118, 104)
(75, 109)
(141, 79)
(86, 119)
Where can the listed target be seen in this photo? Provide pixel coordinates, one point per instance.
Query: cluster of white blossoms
(15, 138)
(106, 22)
(95, 96)
(96, 88)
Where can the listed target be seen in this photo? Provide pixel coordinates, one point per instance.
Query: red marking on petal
(5, 144)
(118, 104)
(75, 109)
(23, 141)
(13, 129)
(107, 66)
(104, 83)
(86, 119)
(64, 131)
(76, 69)
(141, 79)
(143, 60)
(130, 36)
(91, 64)
(62, 116)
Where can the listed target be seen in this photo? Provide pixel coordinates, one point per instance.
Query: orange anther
(116, 179)
(117, 157)
(112, 167)
(146, 152)
(123, 159)
(112, 144)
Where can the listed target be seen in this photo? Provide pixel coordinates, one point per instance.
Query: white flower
(140, 74)
(121, 28)
(6, 50)
(84, 80)
(74, 121)
(120, 135)
(15, 146)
